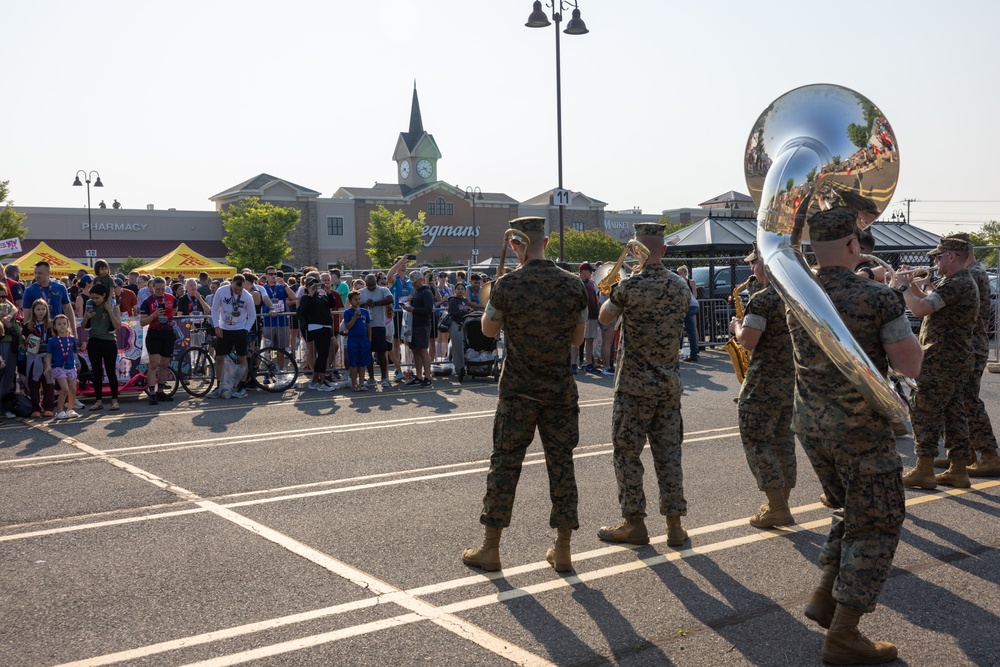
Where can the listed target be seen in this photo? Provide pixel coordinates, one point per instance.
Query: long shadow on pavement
(733, 620)
(928, 605)
(563, 645)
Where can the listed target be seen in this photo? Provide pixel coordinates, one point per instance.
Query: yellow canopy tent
(60, 265)
(187, 261)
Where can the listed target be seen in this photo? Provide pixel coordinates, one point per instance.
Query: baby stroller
(481, 358)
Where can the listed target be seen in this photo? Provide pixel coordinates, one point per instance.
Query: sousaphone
(811, 150)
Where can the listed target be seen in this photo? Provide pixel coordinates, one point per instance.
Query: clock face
(404, 168)
(425, 168)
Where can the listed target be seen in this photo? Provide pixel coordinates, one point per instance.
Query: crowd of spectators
(331, 321)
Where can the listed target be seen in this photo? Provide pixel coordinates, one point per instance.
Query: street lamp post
(576, 26)
(90, 225)
(474, 193)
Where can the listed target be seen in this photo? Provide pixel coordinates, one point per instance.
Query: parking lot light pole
(90, 225)
(576, 26)
(472, 194)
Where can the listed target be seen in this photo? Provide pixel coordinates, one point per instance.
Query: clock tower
(416, 153)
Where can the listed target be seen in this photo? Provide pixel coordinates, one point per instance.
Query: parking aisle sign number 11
(562, 197)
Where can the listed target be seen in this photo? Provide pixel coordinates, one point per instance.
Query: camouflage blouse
(539, 306)
(652, 305)
(980, 338)
(826, 402)
(946, 334)
(771, 374)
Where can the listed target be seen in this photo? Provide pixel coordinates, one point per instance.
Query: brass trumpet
(890, 273)
(919, 273)
(519, 238)
(608, 275)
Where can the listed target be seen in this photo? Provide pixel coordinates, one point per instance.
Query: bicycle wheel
(172, 382)
(268, 375)
(197, 371)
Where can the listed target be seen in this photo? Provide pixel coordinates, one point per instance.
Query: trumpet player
(652, 305)
(765, 401)
(542, 311)
(981, 435)
(949, 310)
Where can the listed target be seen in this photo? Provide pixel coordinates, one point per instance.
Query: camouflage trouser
(865, 479)
(769, 445)
(939, 405)
(981, 433)
(634, 419)
(513, 431)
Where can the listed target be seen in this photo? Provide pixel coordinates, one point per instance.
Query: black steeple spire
(416, 123)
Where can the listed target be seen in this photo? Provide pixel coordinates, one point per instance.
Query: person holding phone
(157, 314)
(101, 317)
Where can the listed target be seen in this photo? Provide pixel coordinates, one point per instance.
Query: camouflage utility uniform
(652, 305)
(946, 338)
(765, 402)
(539, 306)
(851, 447)
(981, 433)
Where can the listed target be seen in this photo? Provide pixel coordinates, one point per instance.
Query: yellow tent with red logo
(60, 265)
(187, 261)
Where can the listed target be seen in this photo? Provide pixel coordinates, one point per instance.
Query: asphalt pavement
(326, 529)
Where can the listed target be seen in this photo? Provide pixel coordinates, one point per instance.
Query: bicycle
(197, 368)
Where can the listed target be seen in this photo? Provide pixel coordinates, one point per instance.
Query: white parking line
(477, 602)
(535, 458)
(277, 435)
(449, 622)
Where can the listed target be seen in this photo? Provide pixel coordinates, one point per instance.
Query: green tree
(858, 134)
(789, 184)
(811, 175)
(988, 235)
(11, 222)
(130, 264)
(591, 245)
(256, 233)
(391, 234)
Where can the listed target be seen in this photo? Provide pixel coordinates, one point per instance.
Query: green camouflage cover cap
(753, 255)
(959, 242)
(834, 224)
(648, 229)
(528, 224)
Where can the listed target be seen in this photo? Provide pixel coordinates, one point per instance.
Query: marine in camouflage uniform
(851, 447)
(765, 400)
(650, 307)
(981, 435)
(540, 307)
(946, 335)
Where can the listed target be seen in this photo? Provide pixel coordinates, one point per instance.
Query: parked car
(724, 283)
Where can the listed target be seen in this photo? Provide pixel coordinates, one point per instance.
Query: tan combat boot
(922, 476)
(486, 557)
(845, 645)
(786, 491)
(821, 605)
(629, 531)
(676, 535)
(558, 554)
(988, 466)
(946, 463)
(956, 475)
(775, 513)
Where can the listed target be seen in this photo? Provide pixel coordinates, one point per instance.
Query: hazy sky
(174, 102)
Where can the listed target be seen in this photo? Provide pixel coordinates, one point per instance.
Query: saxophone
(739, 355)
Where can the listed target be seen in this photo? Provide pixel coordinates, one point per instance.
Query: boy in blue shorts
(357, 320)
